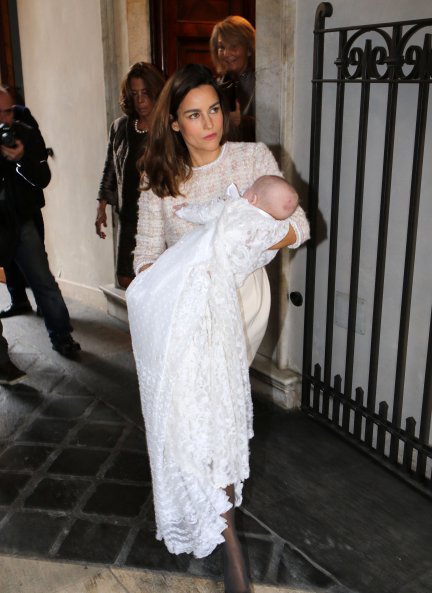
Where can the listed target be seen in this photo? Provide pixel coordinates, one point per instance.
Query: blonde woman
(232, 47)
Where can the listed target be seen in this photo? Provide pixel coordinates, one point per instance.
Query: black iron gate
(368, 323)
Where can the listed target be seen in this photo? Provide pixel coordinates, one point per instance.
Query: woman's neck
(144, 123)
(201, 158)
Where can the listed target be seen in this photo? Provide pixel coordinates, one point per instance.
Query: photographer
(24, 172)
(15, 281)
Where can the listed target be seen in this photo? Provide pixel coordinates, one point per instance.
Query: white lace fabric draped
(189, 345)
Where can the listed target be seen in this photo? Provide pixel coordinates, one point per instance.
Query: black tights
(235, 575)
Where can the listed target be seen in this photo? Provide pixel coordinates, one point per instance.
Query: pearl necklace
(137, 130)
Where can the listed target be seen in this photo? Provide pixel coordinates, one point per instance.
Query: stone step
(26, 575)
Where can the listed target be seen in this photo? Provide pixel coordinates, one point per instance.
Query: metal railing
(389, 54)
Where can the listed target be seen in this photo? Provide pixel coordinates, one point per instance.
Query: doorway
(180, 34)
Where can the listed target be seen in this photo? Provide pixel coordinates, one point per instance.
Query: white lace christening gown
(189, 346)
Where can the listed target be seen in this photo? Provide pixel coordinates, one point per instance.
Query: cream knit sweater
(240, 163)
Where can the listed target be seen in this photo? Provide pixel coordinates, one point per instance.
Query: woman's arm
(287, 241)
(298, 233)
(150, 237)
(101, 218)
(108, 185)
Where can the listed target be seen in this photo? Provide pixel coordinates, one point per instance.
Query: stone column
(275, 21)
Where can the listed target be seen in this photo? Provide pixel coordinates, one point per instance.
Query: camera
(7, 136)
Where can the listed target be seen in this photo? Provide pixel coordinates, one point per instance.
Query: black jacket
(111, 185)
(25, 180)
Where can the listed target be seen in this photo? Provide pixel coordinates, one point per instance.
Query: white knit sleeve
(150, 237)
(300, 224)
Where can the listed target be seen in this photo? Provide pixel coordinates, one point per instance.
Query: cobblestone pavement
(75, 479)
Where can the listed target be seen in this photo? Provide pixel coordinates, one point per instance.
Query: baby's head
(274, 195)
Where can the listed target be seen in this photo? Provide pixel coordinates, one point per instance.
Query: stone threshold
(27, 575)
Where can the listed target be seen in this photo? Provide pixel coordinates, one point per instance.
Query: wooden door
(6, 56)
(180, 31)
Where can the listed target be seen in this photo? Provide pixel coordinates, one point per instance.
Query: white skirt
(254, 299)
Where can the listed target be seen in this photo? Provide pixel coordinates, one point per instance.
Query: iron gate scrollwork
(392, 55)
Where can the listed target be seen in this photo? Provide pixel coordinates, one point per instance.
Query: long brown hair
(166, 161)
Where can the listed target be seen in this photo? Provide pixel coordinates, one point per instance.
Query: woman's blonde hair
(234, 30)
(166, 162)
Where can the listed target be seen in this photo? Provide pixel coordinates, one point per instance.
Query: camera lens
(7, 136)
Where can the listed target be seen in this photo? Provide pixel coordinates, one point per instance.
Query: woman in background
(232, 47)
(120, 179)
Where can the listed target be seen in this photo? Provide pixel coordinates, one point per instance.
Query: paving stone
(10, 486)
(67, 407)
(40, 379)
(130, 466)
(29, 532)
(295, 569)
(148, 552)
(78, 462)
(57, 494)
(16, 406)
(103, 413)
(69, 385)
(45, 430)
(24, 457)
(135, 440)
(98, 435)
(258, 553)
(122, 500)
(93, 542)
(211, 565)
(247, 524)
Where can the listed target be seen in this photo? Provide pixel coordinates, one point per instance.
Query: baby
(269, 193)
(274, 195)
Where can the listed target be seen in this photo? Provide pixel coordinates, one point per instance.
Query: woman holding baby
(198, 470)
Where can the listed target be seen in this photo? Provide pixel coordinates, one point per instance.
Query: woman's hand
(178, 206)
(289, 239)
(101, 218)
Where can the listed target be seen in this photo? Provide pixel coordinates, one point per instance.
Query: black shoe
(66, 345)
(10, 374)
(16, 309)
